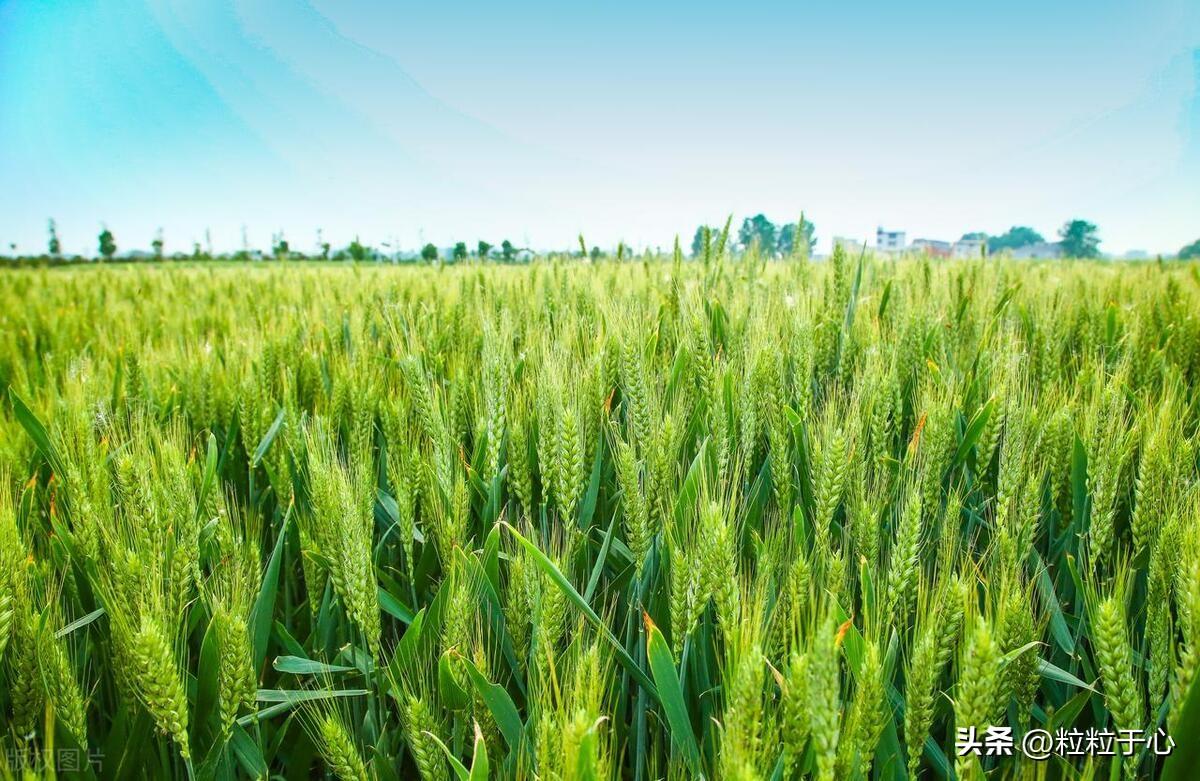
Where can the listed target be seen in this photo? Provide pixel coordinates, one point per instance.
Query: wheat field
(668, 517)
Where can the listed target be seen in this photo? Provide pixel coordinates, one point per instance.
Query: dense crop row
(645, 519)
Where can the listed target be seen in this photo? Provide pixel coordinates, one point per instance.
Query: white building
(889, 241)
(969, 248)
(1041, 249)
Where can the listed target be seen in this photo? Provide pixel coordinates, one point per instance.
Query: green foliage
(1191, 251)
(107, 244)
(1014, 238)
(53, 246)
(758, 231)
(1079, 239)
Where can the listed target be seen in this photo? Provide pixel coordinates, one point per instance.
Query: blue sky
(404, 123)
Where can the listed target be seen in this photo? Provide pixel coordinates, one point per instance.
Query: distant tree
(787, 238)
(507, 250)
(324, 250)
(196, 255)
(54, 245)
(596, 253)
(757, 230)
(1079, 239)
(157, 245)
(460, 250)
(976, 236)
(1190, 251)
(108, 244)
(280, 247)
(699, 239)
(1014, 238)
(357, 250)
(484, 249)
(429, 253)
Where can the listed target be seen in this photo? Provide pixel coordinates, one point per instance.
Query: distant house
(969, 248)
(889, 241)
(934, 248)
(849, 246)
(1041, 249)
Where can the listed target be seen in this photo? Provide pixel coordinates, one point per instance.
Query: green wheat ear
(976, 694)
(338, 749)
(1114, 658)
(62, 687)
(420, 726)
(6, 615)
(159, 683)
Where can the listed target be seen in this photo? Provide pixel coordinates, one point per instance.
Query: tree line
(280, 248)
(1077, 238)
